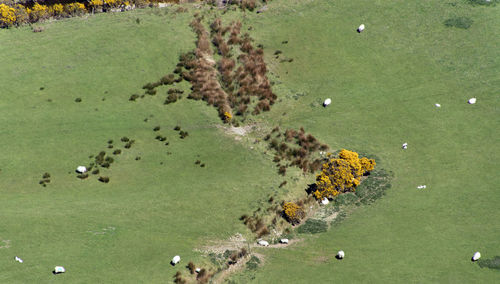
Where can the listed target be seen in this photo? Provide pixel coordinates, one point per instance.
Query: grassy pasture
(383, 84)
(153, 208)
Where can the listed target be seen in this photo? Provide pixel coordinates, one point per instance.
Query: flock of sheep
(328, 101)
(340, 254)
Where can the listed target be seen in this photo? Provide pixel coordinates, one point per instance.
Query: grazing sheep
(284, 241)
(59, 269)
(476, 256)
(405, 146)
(18, 259)
(325, 201)
(421, 186)
(175, 260)
(438, 105)
(263, 243)
(361, 28)
(340, 254)
(197, 270)
(472, 101)
(81, 169)
(327, 102)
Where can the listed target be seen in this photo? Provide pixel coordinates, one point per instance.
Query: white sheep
(175, 260)
(421, 186)
(405, 145)
(340, 254)
(476, 256)
(327, 102)
(59, 269)
(472, 101)
(437, 105)
(284, 241)
(18, 259)
(361, 28)
(197, 270)
(263, 243)
(325, 201)
(81, 169)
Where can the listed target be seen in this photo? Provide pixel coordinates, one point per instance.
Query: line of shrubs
(16, 13)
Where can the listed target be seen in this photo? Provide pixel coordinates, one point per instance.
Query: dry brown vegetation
(296, 148)
(236, 85)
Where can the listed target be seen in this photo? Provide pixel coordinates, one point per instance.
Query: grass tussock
(459, 22)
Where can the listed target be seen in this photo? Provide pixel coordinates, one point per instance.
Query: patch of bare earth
(237, 132)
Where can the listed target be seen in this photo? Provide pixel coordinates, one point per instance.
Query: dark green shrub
(83, 176)
(183, 134)
(104, 179)
(125, 139)
(46, 175)
(78, 100)
(253, 263)
(157, 128)
(459, 22)
(168, 79)
(493, 263)
(171, 98)
(133, 97)
(177, 128)
(483, 2)
(95, 172)
(117, 152)
(151, 92)
(346, 199)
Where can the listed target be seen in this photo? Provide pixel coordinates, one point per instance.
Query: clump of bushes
(253, 263)
(493, 263)
(104, 179)
(459, 22)
(293, 212)
(178, 278)
(236, 85)
(183, 134)
(313, 226)
(296, 146)
(255, 224)
(342, 174)
(191, 267)
(45, 179)
(237, 255)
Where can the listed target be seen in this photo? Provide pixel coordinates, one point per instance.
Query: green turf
(383, 83)
(161, 205)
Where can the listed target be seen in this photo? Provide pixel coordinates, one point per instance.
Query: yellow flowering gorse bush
(7, 16)
(341, 174)
(293, 212)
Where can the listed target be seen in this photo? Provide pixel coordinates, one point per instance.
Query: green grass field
(383, 83)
